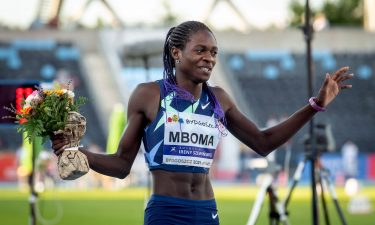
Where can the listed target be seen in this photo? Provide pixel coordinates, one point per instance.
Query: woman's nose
(209, 57)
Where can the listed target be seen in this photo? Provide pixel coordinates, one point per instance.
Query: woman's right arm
(119, 164)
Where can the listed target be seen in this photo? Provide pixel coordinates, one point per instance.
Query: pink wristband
(315, 106)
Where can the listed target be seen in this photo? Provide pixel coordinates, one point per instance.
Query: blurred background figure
(349, 152)
(46, 175)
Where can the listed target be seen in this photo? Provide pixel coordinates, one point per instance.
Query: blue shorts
(164, 210)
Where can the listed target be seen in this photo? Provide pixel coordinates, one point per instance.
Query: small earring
(178, 61)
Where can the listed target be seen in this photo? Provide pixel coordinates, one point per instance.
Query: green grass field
(125, 207)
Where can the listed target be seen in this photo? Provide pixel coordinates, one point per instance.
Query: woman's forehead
(202, 37)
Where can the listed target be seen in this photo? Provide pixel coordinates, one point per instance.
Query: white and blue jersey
(184, 135)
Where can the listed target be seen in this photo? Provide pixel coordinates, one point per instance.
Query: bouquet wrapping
(73, 163)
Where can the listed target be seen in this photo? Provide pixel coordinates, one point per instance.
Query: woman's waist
(182, 201)
(194, 186)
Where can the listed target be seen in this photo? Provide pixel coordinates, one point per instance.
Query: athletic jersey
(183, 137)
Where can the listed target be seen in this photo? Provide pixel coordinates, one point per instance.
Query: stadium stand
(275, 83)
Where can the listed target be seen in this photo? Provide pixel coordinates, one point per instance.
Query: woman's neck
(193, 88)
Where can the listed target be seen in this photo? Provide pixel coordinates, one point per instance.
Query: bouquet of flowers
(47, 113)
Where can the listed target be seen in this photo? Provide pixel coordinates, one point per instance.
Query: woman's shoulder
(223, 97)
(146, 93)
(147, 88)
(145, 98)
(219, 92)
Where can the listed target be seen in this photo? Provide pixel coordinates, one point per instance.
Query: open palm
(332, 86)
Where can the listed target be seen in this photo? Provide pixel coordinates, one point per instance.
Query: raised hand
(332, 86)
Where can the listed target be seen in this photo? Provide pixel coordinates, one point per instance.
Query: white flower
(33, 99)
(70, 94)
(36, 100)
(26, 105)
(28, 101)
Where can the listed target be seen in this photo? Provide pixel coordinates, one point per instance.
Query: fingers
(59, 145)
(56, 136)
(339, 72)
(328, 76)
(340, 76)
(344, 77)
(56, 144)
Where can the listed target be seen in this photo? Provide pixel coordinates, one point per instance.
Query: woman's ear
(176, 53)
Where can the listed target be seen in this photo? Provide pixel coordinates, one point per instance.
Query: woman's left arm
(265, 141)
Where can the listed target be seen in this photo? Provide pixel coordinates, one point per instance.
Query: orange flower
(26, 110)
(23, 120)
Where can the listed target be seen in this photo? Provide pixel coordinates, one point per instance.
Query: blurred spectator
(46, 173)
(246, 173)
(22, 171)
(349, 152)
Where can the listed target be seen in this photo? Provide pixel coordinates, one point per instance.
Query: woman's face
(198, 58)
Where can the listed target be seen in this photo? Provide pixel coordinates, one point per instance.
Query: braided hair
(178, 37)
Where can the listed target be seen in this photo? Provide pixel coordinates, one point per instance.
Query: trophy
(72, 163)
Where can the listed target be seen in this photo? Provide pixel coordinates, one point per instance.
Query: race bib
(189, 139)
